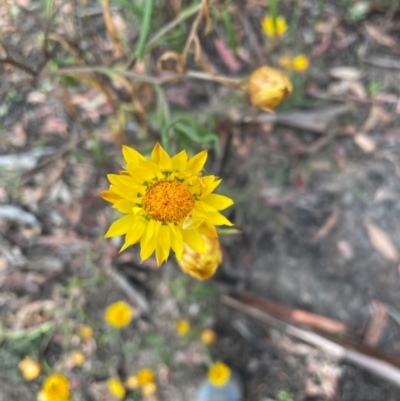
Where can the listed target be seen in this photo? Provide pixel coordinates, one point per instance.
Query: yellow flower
(85, 332)
(55, 388)
(167, 203)
(118, 314)
(116, 388)
(149, 389)
(219, 374)
(301, 62)
(182, 327)
(29, 368)
(298, 63)
(208, 337)
(132, 382)
(268, 87)
(202, 266)
(274, 30)
(77, 358)
(145, 376)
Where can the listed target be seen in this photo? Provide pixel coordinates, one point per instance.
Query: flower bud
(29, 368)
(268, 87)
(202, 266)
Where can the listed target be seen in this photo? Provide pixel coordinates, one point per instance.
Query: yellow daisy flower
(274, 30)
(182, 327)
(55, 388)
(167, 202)
(149, 389)
(116, 388)
(208, 337)
(145, 376)
(301, 62)
(219, 374)
(118, 314)
(29, 368)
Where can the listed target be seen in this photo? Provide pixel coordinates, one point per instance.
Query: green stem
(144, 32)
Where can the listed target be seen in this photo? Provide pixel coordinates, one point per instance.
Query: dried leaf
(346, 73)
(376, 325)
(226, 55)
(328, 225)
(365, 143)
(54, 125)
(378, 36)
(381, 242)
(112, 30)
(345, 249)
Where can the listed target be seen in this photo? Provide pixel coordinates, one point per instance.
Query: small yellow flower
(145, 376)
(132, 382)
(219, 374)
(29, 368)
(149, 390)
(273, 30)
(301, 62)
(208, 337)
(182, 327)
(166, 201)
(116, 388)
(118, 314)
(85, 332)
(268, 87)
(54, 388)
(202, 266)
(77, 358)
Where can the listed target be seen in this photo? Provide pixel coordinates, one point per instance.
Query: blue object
(232, 391)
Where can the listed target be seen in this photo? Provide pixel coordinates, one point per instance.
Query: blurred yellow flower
(145, 376)
(29, 368)
(85, 332)
(274, 30)
(301, 62)
(268, 87)
(219, 374)
(116, 388)
(208, 336)
(298, 63)
(167, 202)
(149, 389)
(202, 266)
(54, 388)
(77, 358)
(132, 382)
(118, 314)
(182, 327)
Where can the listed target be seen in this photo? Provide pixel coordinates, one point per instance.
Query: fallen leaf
(376, 325)
(381, 242)
(345, 249)
(54, 125)
(226, 55)
(365, 143)
(328, 225)
(378, 36)
(346, 73)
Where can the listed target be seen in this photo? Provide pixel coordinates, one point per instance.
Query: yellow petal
(131, 155)
(209, 230)
(159, 255)
(164, 240)
(124, 206)
(176, 240)
(194, 240)
(161, 157)
(209, 183)
(217, 219)
(149, 239)
(179, 161)
(218, 202)
(135, 232)
(196, 163)
(110, 196)
(120, 226)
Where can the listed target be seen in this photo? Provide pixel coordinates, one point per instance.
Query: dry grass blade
(381, 242)
(112, 30)
(377, 324)
(379, 37)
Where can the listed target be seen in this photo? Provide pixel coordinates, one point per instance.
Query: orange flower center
(168, 201)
